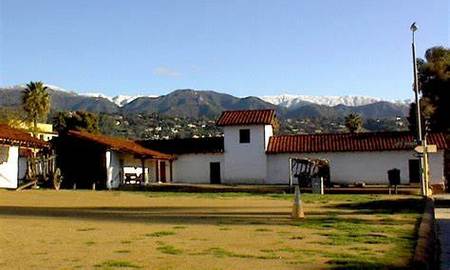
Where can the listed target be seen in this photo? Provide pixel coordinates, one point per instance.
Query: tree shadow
(397, 206)
(157, 215)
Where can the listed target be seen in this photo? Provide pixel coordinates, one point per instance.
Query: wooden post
(157, 170)
(171, 170)
(290, 174)
(143, 171)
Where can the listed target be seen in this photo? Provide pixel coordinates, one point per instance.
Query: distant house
(15, 146)
(249, 153)
(86, 159)
(43, 132)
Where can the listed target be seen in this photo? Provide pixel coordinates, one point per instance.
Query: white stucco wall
(113, 169)
(245, 162)
(351, 167)
(194, 168)
(9, 164)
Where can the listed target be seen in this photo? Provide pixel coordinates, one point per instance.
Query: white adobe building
(93, 160)
(249, 153)
(15, 146)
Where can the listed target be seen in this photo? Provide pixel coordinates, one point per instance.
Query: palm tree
(36, 102)
(353, 122)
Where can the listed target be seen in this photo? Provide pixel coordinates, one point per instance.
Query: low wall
(425, 254)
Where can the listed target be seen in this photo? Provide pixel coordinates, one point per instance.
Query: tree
(11, 114)
(65, 121)
(36, 102)
(353, 122)
(434, 83)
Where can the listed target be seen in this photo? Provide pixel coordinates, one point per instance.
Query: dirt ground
(45, 229)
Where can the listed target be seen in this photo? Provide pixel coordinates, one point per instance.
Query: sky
(240, 47)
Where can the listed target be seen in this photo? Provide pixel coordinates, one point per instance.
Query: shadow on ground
(227, 215)
(397, 206)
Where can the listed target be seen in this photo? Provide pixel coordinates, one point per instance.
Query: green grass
(126, 242)
(263, 230)
(160, 234)
(169, 249)
(116, 264)
(86, 229)
(222, 253)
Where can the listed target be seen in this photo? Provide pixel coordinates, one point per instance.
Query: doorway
(214, 172)
(162, 171)
(414, 170)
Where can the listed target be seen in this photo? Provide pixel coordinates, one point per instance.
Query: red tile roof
(346, 142)
(13, 136)
(119, 144)
(246, 117)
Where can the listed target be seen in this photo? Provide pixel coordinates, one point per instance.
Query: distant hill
(61, 100)
(208, 104)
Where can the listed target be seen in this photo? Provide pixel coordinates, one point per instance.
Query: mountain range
(197, 104)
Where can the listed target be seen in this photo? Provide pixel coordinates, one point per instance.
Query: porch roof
(121, 145)
(13, 136)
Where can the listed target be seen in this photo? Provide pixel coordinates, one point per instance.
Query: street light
(421, 140)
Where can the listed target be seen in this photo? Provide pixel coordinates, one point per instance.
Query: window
(244, 136)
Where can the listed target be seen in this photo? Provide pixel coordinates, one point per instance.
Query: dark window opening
(244, 136)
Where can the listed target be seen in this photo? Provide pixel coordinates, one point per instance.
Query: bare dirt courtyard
(45, 229)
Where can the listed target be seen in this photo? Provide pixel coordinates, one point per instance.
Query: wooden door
(414, 171)
(214, 172)
(162, 171)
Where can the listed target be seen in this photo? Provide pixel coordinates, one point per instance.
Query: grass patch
(179, 227)
(263, 230)
(160, 234)
(117, 264)
(169, 249)
(89, 243)
(221, 253)
(122, 251)
(86, 229)
(126, 242)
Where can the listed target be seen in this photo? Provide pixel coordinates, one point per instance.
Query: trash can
(394, 177)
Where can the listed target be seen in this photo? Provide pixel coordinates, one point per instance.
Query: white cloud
(166, 72)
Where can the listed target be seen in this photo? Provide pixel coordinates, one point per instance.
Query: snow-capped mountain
(291, 101)
(119, 100)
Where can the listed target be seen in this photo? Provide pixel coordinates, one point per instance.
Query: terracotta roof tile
(346, 142)
(246, 117)
(119, 144)
(13, 136)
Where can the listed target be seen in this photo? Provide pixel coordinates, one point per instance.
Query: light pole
(421, 140)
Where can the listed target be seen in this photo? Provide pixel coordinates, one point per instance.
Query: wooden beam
(143, 169)
(24, 186)
(171, 170)
(157, 170)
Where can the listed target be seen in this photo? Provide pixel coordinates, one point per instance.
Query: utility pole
(422, 140)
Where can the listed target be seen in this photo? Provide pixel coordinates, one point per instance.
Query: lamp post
(420, 136)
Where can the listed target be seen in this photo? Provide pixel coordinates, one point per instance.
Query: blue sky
(244, 47)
